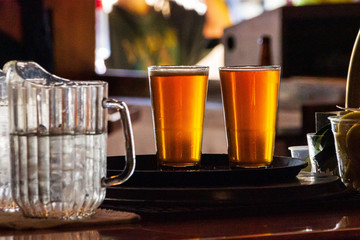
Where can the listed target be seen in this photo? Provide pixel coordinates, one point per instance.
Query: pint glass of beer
(178, 98)
(250, 100)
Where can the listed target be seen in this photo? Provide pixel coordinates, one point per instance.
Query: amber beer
(250, 100)
(178, 97)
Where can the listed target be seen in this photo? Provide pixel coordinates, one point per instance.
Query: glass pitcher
(58, 142)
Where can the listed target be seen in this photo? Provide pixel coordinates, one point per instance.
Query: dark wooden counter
(341, 222)
(325, 216)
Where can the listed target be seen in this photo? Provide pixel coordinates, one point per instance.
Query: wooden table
(298, 216)
(328, 216)
(336, 223)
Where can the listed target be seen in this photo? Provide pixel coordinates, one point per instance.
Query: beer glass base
(248, 165)
(178, 166)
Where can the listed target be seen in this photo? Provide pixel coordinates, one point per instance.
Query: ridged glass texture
(6, 202)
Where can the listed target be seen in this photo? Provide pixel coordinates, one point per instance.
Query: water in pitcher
(6, 202)
(4, 155)
(66, 172)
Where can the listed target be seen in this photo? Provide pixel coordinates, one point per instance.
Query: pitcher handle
(130, 161)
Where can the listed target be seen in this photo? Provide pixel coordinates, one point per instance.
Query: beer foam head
(178, 70)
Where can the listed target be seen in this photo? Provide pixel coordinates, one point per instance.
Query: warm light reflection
(81, 235)
(163, 5)
(198, 5)
(100, 67)
(343, 223)
(272, 4)
(107, 5)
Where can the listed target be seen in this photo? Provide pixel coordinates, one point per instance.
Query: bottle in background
(265, 55)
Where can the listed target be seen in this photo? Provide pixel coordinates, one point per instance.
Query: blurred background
(116, 40)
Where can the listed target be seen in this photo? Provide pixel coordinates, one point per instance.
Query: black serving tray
(215, 185)
(214, 171)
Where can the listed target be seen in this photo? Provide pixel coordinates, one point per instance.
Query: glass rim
(298, 147)
(250, 68)
(338, 118)
(89, 82)
(177, 67)
(175, 70)
(69, 84)
(312, 134)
